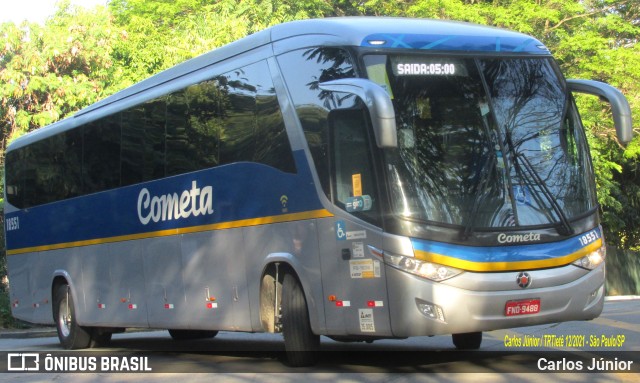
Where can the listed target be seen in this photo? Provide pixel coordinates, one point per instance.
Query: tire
(301, 345)
(100, 338)
(192, 334)
(72, 336)
(467, 341)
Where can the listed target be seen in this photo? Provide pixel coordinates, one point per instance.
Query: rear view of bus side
(359, 178)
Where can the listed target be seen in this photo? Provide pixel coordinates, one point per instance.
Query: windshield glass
(483, 143)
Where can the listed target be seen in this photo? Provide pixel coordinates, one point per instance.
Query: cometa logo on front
(518, 238)
(194, 202)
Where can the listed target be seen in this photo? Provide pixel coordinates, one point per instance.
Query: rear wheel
(467, 341)
(192, 334)
(72, 336)
(300, 343)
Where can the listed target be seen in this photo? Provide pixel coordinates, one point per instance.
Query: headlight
(433, 271)
(593, 259)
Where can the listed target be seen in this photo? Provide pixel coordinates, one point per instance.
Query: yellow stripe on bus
(507, 266)
(321, 213)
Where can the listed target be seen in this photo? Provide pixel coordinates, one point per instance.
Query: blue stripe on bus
(240, 191)
(508, 257)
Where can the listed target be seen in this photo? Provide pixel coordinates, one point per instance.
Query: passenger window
(143, 142)
(233, 117)
(101, 156)
(14, 178)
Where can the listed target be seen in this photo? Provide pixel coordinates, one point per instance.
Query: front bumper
(475, 308)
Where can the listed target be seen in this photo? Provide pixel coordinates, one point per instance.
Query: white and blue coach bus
(358, 178)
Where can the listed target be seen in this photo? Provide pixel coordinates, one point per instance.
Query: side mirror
(619, 105)
(378, 103)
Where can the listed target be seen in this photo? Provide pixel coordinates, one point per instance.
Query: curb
(28, 333)
(622, 298)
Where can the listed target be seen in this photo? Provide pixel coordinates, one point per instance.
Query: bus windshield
(484, 143)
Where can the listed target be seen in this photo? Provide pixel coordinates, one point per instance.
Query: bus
(355, 178)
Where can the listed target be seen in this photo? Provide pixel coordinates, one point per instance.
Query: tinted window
(143, 143)
(230, 118)
(14, 178)
(312, 104)
(271, 142)
(101, 159)
(237, 142)
(52, 169)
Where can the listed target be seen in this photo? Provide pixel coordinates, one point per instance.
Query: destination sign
(427, 66)
(416, 69)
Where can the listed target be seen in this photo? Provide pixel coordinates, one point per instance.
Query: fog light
(595, 295)
(430, 310)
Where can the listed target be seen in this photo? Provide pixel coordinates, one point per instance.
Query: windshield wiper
(546, 192)
(483, 187)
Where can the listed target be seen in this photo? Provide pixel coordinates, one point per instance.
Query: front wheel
(300, 343)
(467, 341)
(72, 336)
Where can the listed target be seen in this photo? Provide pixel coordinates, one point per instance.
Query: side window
(101, 155)
(14, 178)
(354, 186)
(254, 127)
(143, 142)
(236, 135)
(272, 144)
(233, 117)
(52, 169)
(303, 71)
(206, 106)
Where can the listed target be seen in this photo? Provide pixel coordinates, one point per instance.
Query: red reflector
(339, 303)
(371, 303)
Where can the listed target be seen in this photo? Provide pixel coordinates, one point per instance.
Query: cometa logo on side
(196, 201)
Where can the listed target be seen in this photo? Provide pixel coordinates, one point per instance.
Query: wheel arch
(287, 263)
(62, 277)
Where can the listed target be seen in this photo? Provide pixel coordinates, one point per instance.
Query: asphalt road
(529, 354)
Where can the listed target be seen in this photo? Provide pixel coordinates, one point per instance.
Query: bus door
(352, 264)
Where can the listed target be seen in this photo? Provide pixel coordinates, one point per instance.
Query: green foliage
(50, 72)
(162, 33)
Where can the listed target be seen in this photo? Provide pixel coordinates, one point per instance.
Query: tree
(162, 33)
(49, 72)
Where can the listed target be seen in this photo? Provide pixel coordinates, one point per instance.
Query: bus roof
(374, 32)
(405, 33)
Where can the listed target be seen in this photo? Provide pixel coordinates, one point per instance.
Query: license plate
(522, 307)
